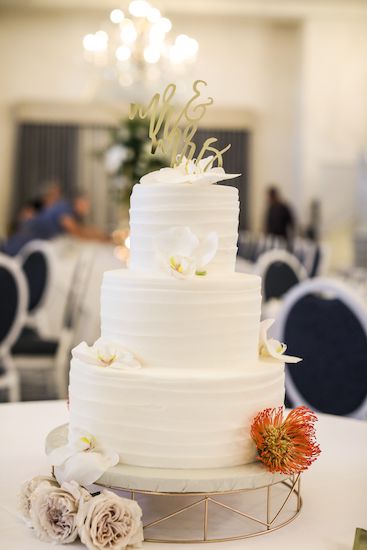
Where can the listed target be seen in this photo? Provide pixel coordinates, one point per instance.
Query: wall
(334, 122)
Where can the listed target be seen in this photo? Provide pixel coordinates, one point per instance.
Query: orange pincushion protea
(287, 446)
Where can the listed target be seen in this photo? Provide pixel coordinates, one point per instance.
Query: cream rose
(53, 511)
(27, 489)
(109, 521)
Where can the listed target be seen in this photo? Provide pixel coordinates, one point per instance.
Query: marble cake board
(177, 481)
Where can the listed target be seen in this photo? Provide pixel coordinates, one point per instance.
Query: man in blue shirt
(59, 218)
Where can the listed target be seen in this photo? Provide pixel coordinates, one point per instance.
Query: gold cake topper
(171, 131)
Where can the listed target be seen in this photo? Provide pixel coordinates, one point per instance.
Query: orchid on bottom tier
(83, 459)
(61, 514)
(286, 445)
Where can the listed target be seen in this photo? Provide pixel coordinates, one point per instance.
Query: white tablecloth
(334, 489)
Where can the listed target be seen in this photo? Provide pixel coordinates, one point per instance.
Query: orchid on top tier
(135, 45)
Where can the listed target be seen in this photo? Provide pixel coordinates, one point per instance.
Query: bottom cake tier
(175, 419)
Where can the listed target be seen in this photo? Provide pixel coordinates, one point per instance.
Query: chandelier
(135, 46)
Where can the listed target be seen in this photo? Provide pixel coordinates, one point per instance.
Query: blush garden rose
(109, 521)
(53, 511)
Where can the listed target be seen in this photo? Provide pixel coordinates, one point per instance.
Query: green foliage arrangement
(128, 158)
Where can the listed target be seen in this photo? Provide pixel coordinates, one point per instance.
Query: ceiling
(247, 8)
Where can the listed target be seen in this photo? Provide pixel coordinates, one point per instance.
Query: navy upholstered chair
(47, 357)
(325, 323)
(32, 353)
(313, 255)
(13, 300)
(279, 271)
(35, 259)
(319, 264)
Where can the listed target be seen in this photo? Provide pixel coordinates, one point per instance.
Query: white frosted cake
(184, 378)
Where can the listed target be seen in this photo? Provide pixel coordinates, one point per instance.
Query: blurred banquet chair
(36, 260)
(319, 265)
(30, 349)
(13, 300)
(313, 255)
(48, 357)
(325, 322)
(280, 271)
(262, 242)
(303, 249)
(245, 245)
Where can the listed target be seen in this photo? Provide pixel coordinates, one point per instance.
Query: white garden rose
(53, 511)
(26, 491)
(110, 522)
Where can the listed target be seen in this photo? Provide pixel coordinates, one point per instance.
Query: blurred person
(60, 218)
(312, 230)
(279, 219)
(51, 193)
(29, 210)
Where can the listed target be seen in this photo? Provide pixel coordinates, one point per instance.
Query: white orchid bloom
(106, 354)
(82, 459)
(272, 348)
(188, 171)
(182, 254)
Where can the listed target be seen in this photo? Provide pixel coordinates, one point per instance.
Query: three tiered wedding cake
(176, 378)
(184, 389)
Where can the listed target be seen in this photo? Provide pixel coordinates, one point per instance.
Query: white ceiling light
(116, 16)
(165, 23)
(137, 48)
(151, 54)
(96, 42)
(139, 8)
(123, 53)
(154, 15)
(128, 32)
(88, 42)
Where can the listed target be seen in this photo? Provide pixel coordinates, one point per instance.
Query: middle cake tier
(201, 323)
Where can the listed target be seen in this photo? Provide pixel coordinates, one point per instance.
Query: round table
(334, 490)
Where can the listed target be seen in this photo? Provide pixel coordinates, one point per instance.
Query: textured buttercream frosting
(203, 208)
(195, 334)
(197, 324)
(174, 419)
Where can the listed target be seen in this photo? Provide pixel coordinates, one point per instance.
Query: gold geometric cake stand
(195, 506)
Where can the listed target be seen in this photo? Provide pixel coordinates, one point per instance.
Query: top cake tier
(202, 208)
